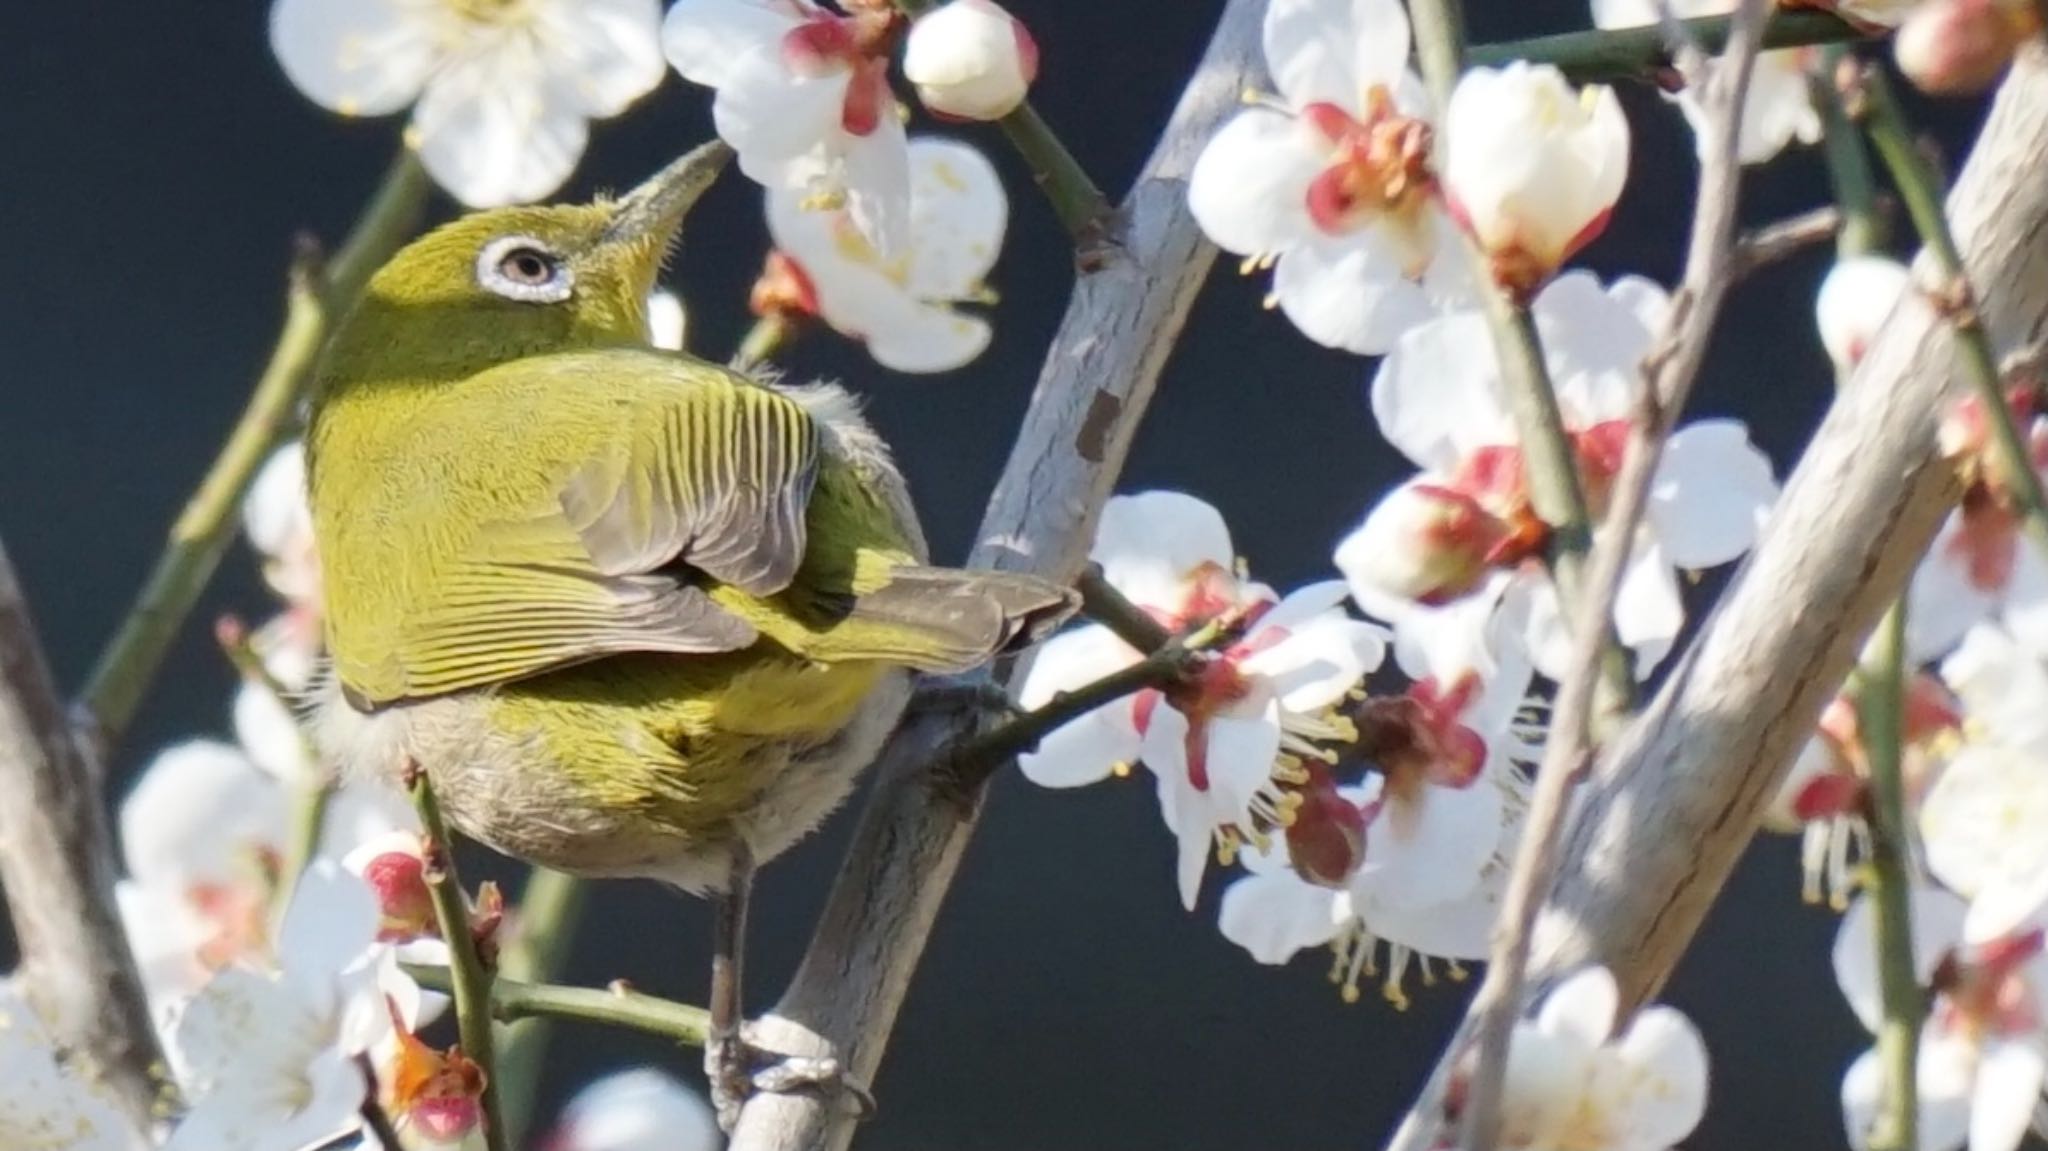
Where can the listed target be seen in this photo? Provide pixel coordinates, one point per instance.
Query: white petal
(638, 1110)
(1595, 339)
(1648, 612)
(1430, 849)
(930, 340)
(2009, 1079)
(1583, 1006)
(1084, 751)
(667, 322)
(1543, 1086)
(1937, 926)
(1240, 761)
(1333, 50)
(775, 120)
(271, 735)
(1303, 605)
(234, 1021)
(1943, 601)
(274, 513)
(875, 171)
(492, 133)
(1668, 1060)
(705, 38)
(199, 811)
(1193, 847)
(358, 57)
(1249, 187)
(1348, 295)
(958, 213)
(1460, 929)
(331, 920)
(605, 53)
(1982, 820)
(1275, 915)
(2026, 598)
(1319, 661)
(1436, 395)
(1148, 543)
(1855, 298)
(1073, 659)
(1711, 492)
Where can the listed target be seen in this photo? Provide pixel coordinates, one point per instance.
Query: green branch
(1920, 188)
(1880, 715)
(469, 980)
(1849, 173)
(206, 526)
(615, 1006)
(1645, 53)
(550, 906)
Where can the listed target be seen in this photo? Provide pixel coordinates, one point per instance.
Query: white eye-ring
(523, 268)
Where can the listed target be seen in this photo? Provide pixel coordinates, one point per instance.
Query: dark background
(157, 165)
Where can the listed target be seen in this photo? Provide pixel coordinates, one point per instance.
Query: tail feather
(942, 620)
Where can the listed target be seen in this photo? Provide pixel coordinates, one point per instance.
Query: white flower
(1438, 398)
(666, 320)
(1983, 1049)
(901, 307)
(638, 1110)
(505, 89)
(279, 525)
(1979, 567)
(1332, 184)
(45, 1106)
(1571, 1082)
(1779, 108)
(804, 99)
(1962, 47)
(1531, 168)
(970, 59)
(1854, 301)
(267, 1056)
(1220, 746)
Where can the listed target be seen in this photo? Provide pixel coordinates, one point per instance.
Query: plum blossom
(1331, 183)
(1779, 108)
(1980, 566)
(1824, 797)
(279, 526)
(1983, 1050)
(1531, 168)
(1465, 526)
(1226, 747)
(901, 307)
(266, 1054)
(1571, 1081)
(502, 90)
(970, 60)
(45, 1105)
(638, 1110)
(804, 99)
(1855, 299)
(1962, 47)
(667, 322)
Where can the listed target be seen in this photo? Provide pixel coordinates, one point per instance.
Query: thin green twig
(1881, 708)
(1644, 53)
(550, 906)
(1864, 229)
(469, 980)
(1920, 187)
(616, 1006)
(314, 298)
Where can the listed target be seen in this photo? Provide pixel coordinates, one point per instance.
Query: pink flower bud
(1422, 542)
(1854, 300)
(393, 868)
(970, 60)
(1962, 47)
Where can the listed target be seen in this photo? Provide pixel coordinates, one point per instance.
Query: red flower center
(1379, 164)
(857, 45)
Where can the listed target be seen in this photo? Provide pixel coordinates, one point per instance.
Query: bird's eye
(525, 269)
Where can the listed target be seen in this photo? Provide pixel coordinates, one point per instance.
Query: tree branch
(1645, 53)
(1881, 716)
(512, 1001)
(57, 865)
(1679, 794)
(1098, 377)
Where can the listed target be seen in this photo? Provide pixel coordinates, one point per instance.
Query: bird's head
(502, 284)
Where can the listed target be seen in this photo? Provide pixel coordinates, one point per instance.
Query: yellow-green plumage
(626, 607)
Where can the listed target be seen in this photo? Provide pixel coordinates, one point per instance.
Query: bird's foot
(738, 1069)
(971, 693)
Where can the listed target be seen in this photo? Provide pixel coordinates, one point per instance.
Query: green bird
(632, 613)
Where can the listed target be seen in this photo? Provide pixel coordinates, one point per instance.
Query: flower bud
(1962, 47)
(1857, 295)
(395, 871)
(970, 59)
(1423, 542)
(1531, 168)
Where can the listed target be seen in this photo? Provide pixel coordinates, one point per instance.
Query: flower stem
(203, 530)
(615, 1006)
(1084, 211)
(1880, 706)
(1920, 187)
(550, 906)
(1848, 159)
(469, 981)
(764, 341)
(1644, 53)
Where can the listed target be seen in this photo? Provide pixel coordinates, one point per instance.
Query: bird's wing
(708, 479)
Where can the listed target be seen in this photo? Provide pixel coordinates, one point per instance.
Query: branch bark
(57, 865)
(1098, 378)
(1680, 793)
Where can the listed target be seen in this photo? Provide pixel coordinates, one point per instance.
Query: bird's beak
(651, 214)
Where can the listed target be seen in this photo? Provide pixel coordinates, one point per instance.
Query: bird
(630, 612)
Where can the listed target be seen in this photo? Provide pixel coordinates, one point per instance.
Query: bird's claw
(737, 1070)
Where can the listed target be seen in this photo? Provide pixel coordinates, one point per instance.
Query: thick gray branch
(1679, 794)
(1097, 380)
(56, 864)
